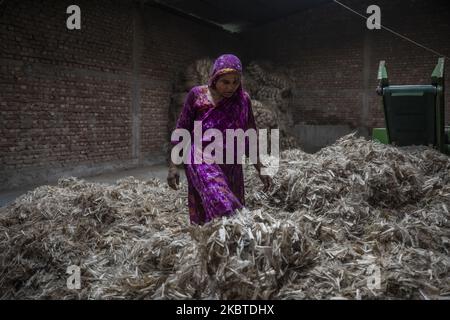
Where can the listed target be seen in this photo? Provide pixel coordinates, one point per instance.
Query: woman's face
(227, 84)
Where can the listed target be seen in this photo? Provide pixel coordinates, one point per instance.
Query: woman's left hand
(267, 181)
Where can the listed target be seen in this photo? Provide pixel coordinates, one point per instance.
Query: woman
(216, 190)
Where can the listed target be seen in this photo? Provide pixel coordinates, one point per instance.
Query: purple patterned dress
(216, 190)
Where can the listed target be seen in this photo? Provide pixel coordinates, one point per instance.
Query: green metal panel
(447, 149)
(382, 74)
(407, 93)
(414, 114)
(413, 90)
(437, 79)
(380, 135)
(410, 114)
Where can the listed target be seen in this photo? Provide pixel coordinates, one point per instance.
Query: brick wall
(169, 45)
(334, 57)
(94, 99)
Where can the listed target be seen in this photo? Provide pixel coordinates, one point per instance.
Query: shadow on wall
(314, 137)
(23, 178)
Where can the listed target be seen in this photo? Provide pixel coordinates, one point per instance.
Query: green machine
(414, 114)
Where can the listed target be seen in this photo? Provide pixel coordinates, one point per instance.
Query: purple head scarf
(226, 63)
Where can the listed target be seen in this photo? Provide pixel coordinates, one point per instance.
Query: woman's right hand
(173, 178)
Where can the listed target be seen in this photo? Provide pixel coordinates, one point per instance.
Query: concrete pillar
(366, 90)
(136, 84)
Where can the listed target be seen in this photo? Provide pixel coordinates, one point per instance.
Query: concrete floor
(141, 173)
